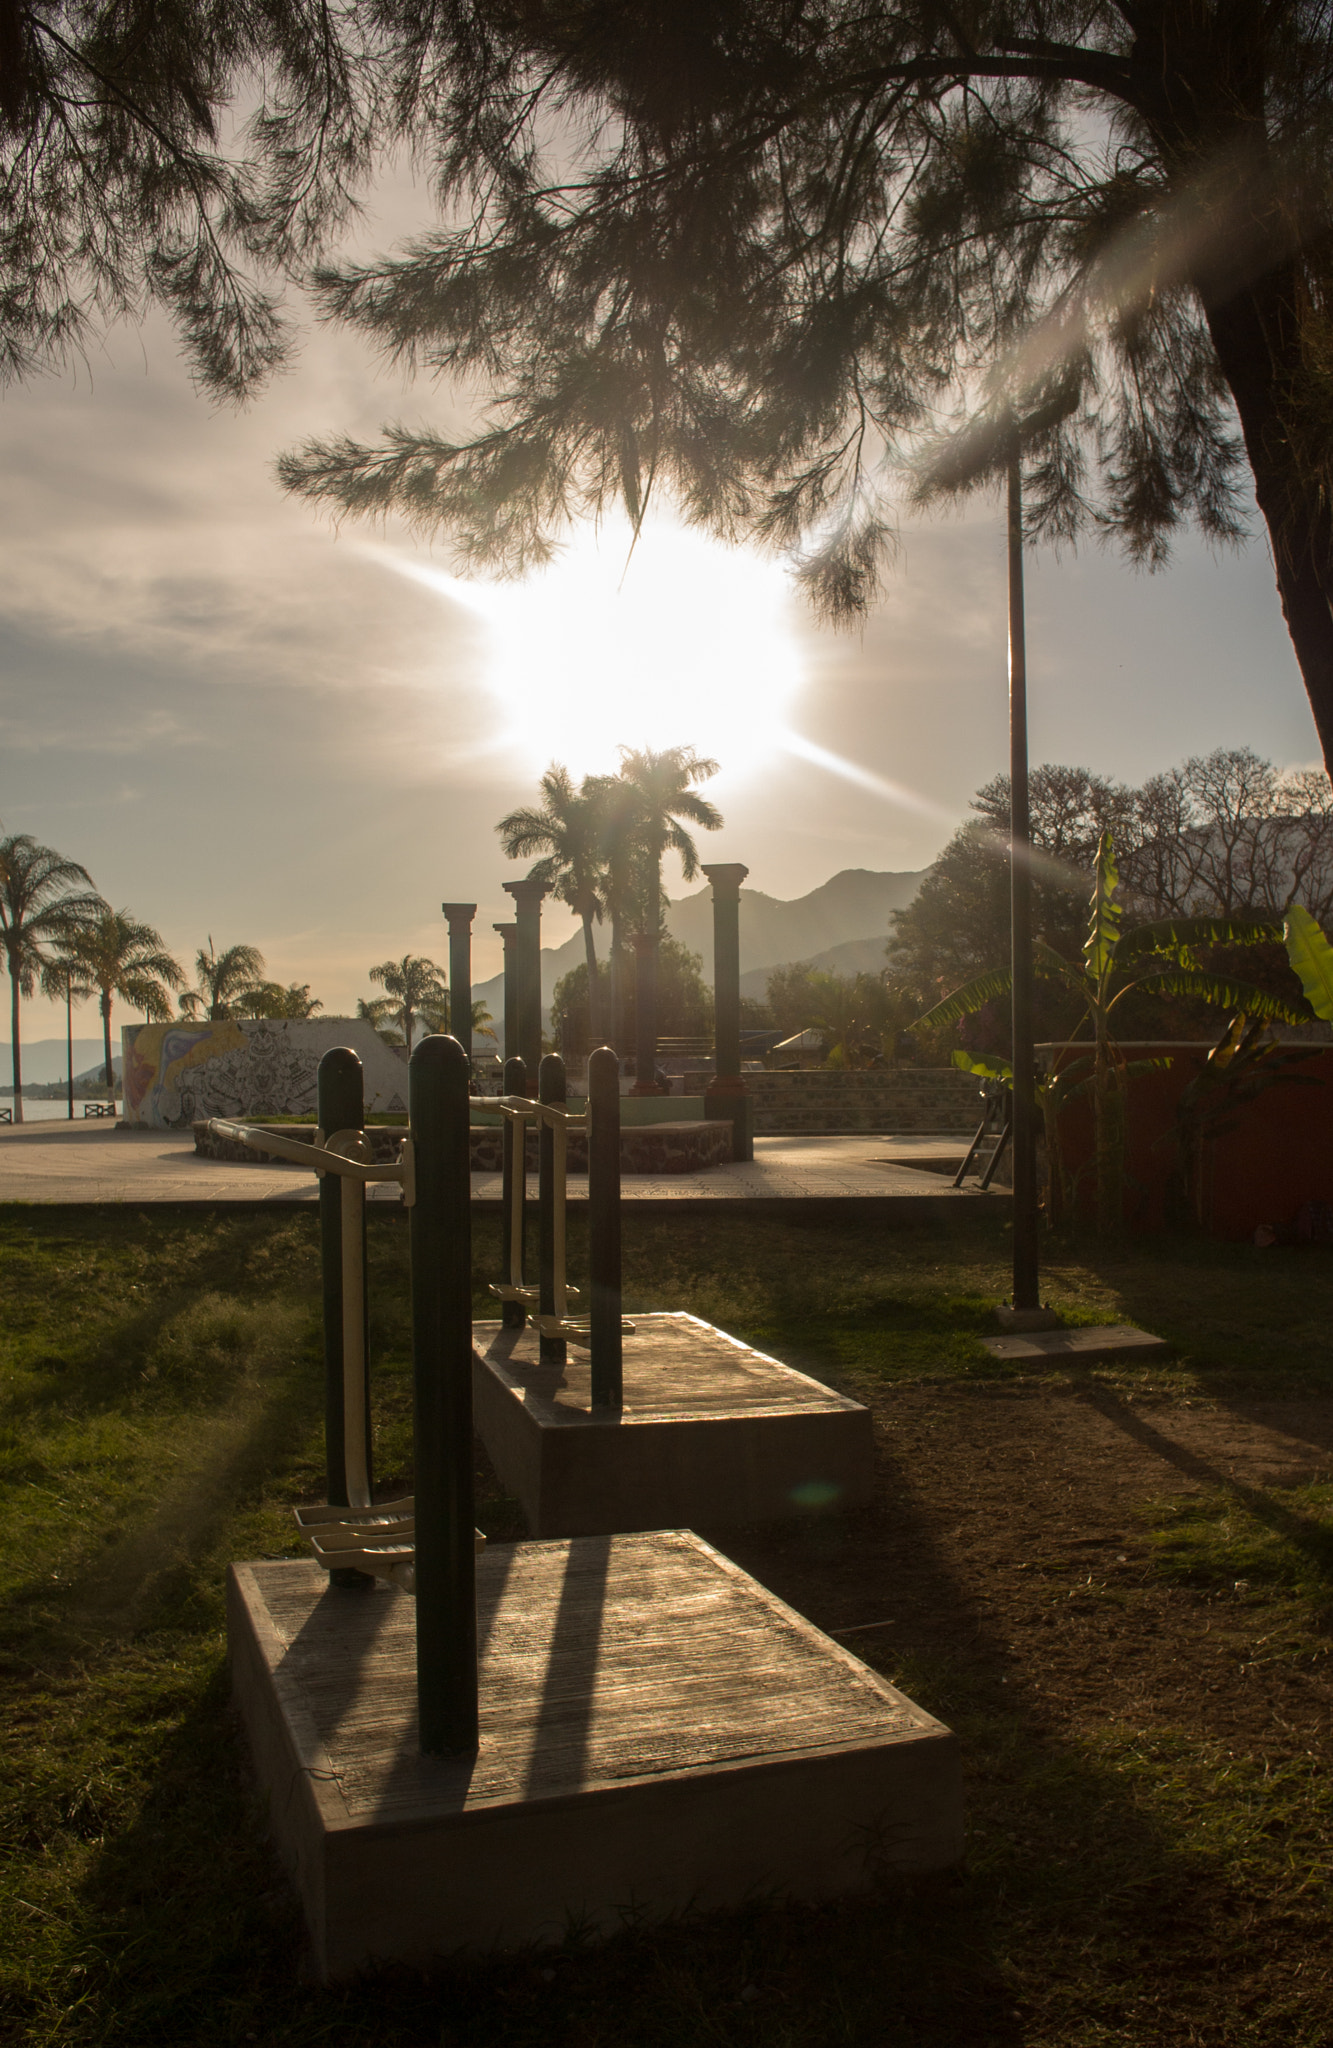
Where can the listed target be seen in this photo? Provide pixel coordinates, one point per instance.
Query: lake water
(46, 1112)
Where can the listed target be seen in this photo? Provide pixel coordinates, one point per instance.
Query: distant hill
(44, 1058)
(853, 956)
(843, 924)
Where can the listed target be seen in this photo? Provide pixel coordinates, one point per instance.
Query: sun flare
(676, 641)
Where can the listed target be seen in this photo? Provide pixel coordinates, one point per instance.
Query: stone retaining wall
(892, 1100)
(646, 1148)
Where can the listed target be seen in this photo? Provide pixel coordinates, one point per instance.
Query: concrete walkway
(53, 1162)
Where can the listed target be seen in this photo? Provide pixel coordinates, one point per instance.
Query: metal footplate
(380, 1540)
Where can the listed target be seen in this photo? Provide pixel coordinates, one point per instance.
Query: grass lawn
(1108, 1582)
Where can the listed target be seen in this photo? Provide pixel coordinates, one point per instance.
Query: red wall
(1279, 1157)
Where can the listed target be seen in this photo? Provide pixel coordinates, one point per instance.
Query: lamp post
(69, 1040)
(1026, 1287)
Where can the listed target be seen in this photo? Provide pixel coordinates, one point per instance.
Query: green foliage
(861, 1016)
(225, 980)
(751, 259)
(684, 999)
(415, 987)
(1158, 957)
(1312, 957)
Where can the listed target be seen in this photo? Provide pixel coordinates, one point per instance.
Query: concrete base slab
(712, 1432)
(658, 1735)
(1010, 1319)
(1091, 1346)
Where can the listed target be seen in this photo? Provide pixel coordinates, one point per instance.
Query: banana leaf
(1177, 934)
(1219, 989)
(984, 1066)
(1312, 957)
(973, 996)
(1099, 948)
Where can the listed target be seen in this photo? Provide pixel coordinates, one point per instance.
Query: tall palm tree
(416, 984)
(567, 831)
(224, 978)
(111, 954)
(662, 795)
(39, 894)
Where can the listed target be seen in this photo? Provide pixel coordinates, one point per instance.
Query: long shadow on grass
(188, 1933)
(1311, 1536)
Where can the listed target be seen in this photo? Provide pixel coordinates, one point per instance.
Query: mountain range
(841, 926)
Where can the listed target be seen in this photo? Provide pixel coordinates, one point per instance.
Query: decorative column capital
(726, 877)
(459, 914)
(508, 932)
(527, 894)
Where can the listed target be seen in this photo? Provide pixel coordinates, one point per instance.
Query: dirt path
(1009, 1534)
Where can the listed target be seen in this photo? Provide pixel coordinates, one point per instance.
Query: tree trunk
(1256, 332)
(595, 1031)
(106, 1042)
(15, 1057)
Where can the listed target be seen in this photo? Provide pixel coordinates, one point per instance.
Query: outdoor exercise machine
(425, 1544)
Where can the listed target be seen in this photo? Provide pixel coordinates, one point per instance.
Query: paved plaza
(98, 1162)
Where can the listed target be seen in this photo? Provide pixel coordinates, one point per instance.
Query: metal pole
(341, 1107)
(604, 1227)
(440, 1233)
(550, 1088)
(513, 1145)
(1026, 1283)
(460, 916)
(69, 1039)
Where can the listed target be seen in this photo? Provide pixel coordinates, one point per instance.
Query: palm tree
(416, 985)
(271, 999)
(224, 979)
(110, 955)
(662, 796)
(39, 895)
(568, 832)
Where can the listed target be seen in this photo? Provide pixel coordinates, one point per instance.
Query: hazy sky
(246, 724)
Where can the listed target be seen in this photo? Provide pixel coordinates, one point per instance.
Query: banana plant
(1312, 957)
(1161, 958)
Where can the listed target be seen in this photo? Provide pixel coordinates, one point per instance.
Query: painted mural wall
(178, 1073)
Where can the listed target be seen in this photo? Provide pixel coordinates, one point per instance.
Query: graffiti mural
(176, 1074)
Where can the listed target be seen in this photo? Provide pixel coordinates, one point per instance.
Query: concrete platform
(57, 1162)
(658, 1735)
(1090, 1346)
(712, 1432)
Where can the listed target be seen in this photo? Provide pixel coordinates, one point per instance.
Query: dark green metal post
(604, 1227)
(441, 1245)
(550, 1088)
(513, 1148)
(460, 916)
(341, 1107)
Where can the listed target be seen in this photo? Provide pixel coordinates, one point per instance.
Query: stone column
(509, 934)
(460, 916)
(645, 1014)
(726, 1095)
(527, 896)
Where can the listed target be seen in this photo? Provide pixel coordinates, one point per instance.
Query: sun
(673, 640)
